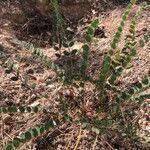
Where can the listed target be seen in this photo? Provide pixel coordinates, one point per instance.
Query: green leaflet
(142, 97)
(128, 51)
(36, 52)
(113, 65)
(131, 91)
(23, 109)
(30, 134)
(105, 71)
(145, 39)
(88, 39)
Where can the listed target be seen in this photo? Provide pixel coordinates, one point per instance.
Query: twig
(79, 138)
(2, 136)
(69, 141)
(94, 145)
(108, 144)
(7, 135)
(123, 116)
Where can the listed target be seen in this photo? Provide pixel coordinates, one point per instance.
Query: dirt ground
(37, 92)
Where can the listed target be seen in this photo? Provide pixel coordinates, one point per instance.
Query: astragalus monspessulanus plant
(114, 63)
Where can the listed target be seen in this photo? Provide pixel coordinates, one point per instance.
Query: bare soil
(16, 93)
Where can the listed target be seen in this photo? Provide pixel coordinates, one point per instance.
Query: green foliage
(58, 22)
(23, 109)
(142, 97)
(10, 68)
(37, 53)
(114, 63)
(145, 39)
(105, 71)
(122, 58)
(86, 47)
(30, 134)
(129, 93)
(61, 35)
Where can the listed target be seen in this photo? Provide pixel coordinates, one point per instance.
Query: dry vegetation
(39, 86)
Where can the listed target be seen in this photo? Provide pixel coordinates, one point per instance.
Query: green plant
(113, 65)
(10, 67)
(61, 35)
(58, 23)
